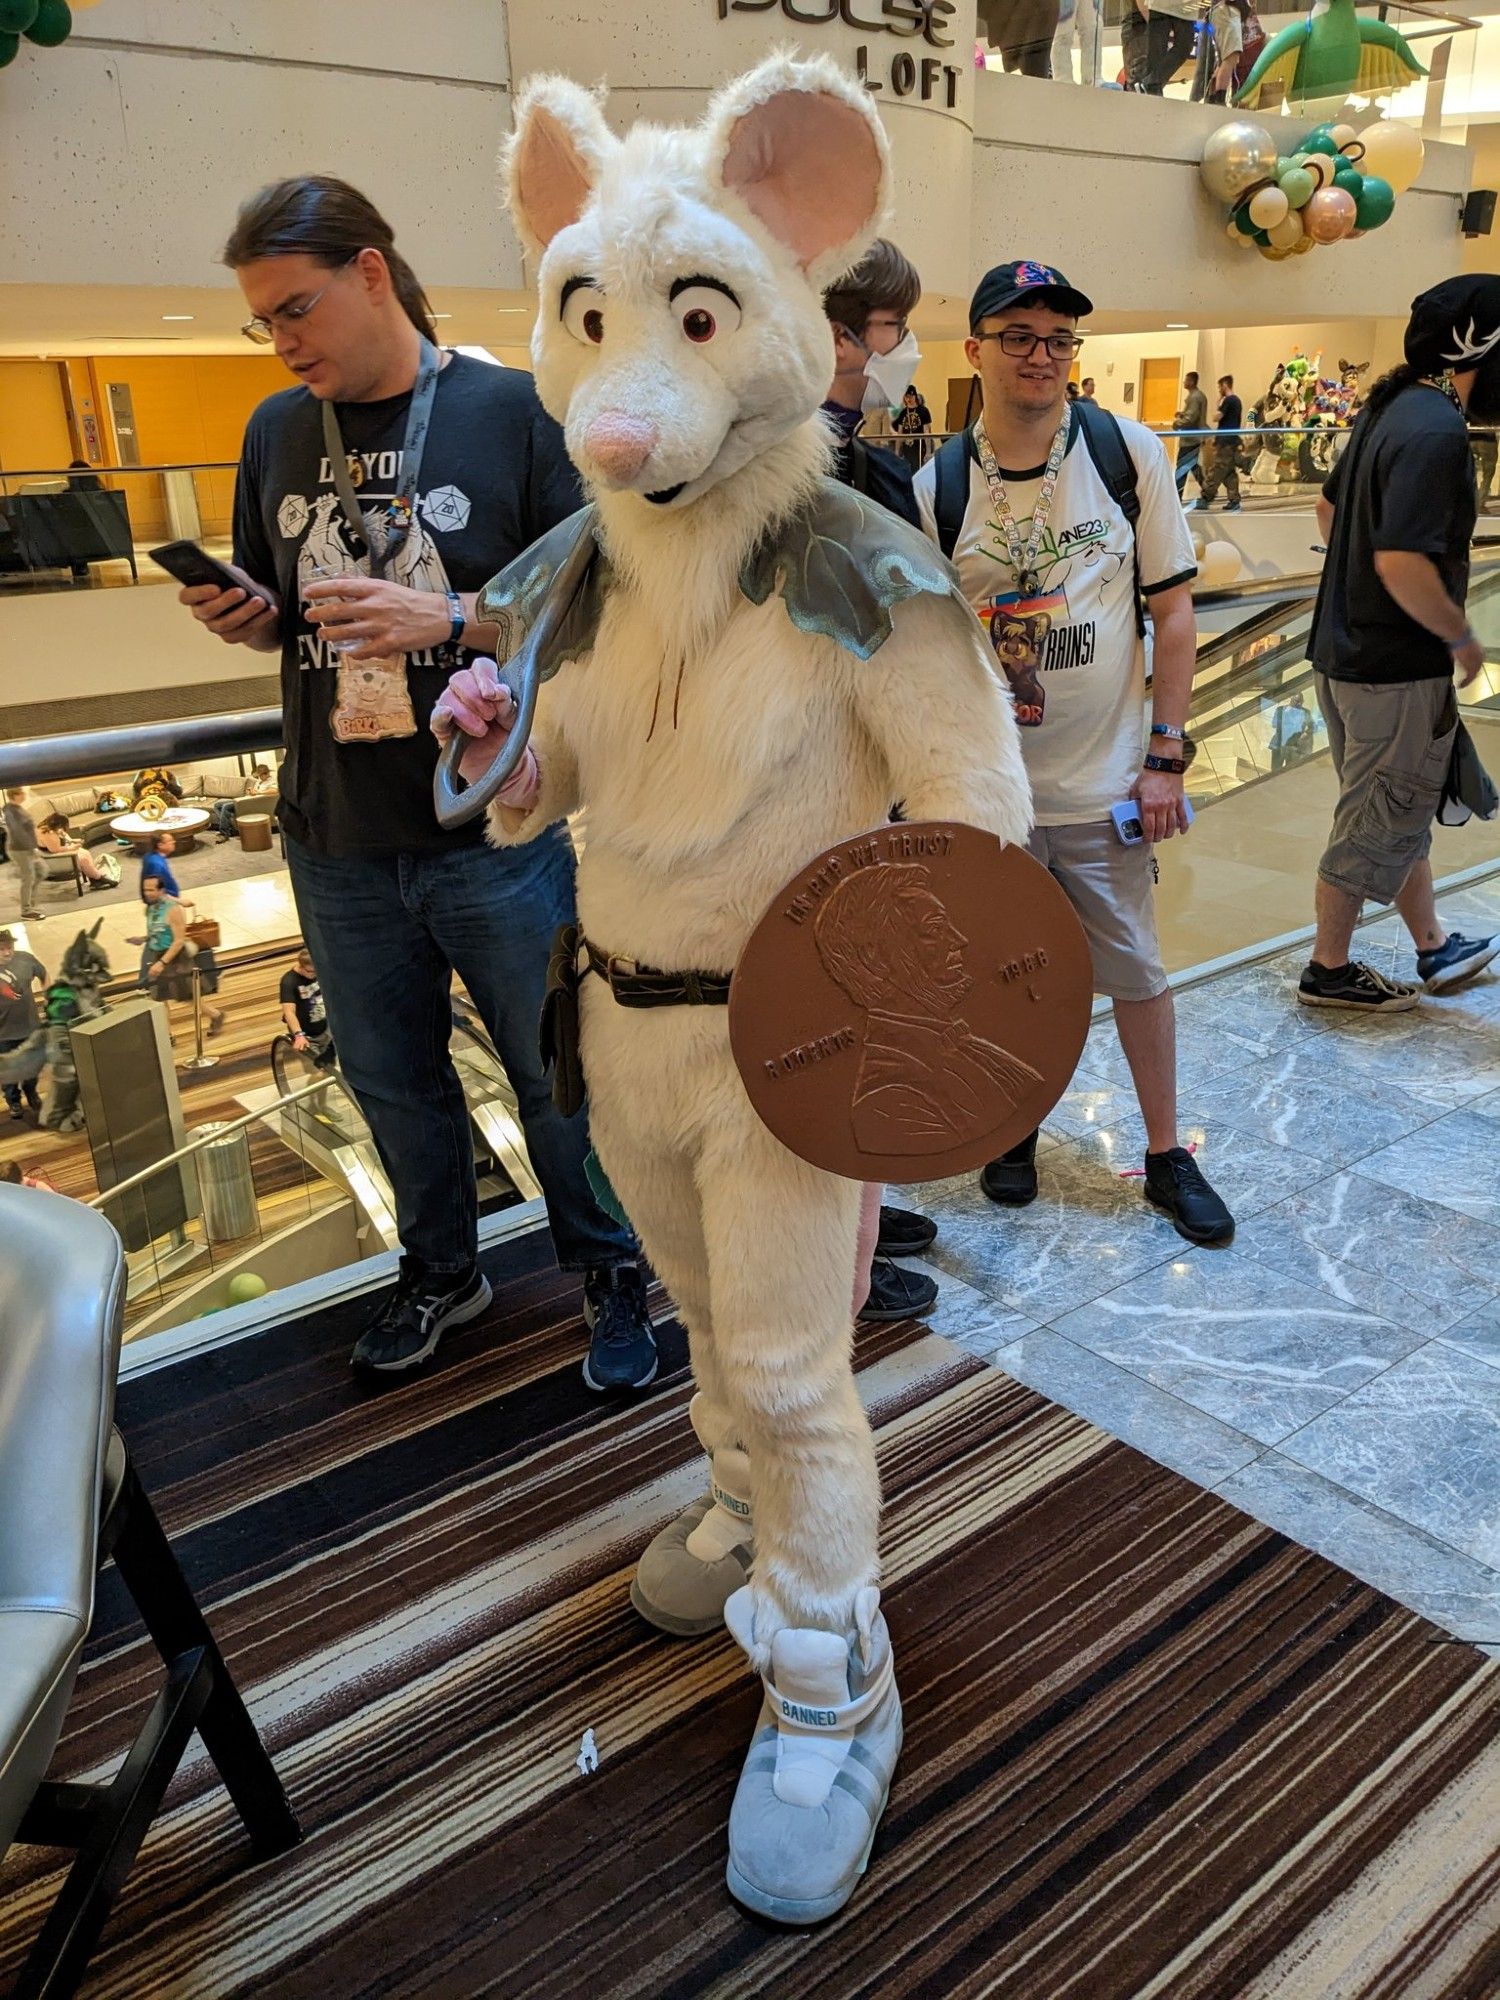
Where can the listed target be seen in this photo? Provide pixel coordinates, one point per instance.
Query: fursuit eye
(583, 315)
(705, 314)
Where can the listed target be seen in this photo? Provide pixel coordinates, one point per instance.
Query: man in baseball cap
(1064, 524)
(1041, 285)
(1390, 637)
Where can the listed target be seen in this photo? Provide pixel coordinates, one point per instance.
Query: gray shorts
(1110, 886)
(1391, 748)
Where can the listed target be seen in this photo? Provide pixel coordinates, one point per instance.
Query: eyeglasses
(262, 327)
(1021, 343)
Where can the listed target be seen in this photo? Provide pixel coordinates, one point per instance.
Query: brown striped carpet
(1152, 1748)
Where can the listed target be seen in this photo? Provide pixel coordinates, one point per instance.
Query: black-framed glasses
(1020, 343)
(262, 327)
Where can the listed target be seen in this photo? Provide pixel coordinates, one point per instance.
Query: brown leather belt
(643, 986)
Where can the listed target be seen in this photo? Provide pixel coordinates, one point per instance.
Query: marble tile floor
(1336, 1371)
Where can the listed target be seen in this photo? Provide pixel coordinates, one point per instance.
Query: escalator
(328, 1130)
(1255, 711)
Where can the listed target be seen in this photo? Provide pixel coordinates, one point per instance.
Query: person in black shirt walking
(1390, 635)
(1219, 462)
(375, 499)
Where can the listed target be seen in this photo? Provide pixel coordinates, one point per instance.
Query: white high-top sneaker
(820, 1765)
(689, 1571)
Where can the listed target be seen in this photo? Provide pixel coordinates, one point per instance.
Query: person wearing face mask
(1391, 637)
(875, 361)
(875, 358)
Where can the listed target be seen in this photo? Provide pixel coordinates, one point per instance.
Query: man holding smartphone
(1061, 521)
(375, 499)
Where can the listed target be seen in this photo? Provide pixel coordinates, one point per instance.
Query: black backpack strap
(1115, 466)
(858, 463)
(950, 498)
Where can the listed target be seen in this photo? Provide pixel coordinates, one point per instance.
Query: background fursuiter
(716, 745)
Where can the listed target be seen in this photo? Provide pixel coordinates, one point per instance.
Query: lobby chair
(69, 1502)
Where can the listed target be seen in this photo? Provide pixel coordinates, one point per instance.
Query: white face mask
(889, 376)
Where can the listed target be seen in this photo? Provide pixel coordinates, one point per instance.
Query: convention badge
(372, 700)
(1018, 628)
(913, 1003)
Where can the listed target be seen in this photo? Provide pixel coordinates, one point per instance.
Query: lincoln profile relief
(925, 1082)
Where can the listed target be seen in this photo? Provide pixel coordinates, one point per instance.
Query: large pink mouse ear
(554, 157)
(800, 145)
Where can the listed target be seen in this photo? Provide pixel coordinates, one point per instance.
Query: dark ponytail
(319, 217)
(1389, 387)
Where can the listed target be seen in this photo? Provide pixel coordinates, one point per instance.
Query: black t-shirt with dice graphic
(359, 755)
(306, 995)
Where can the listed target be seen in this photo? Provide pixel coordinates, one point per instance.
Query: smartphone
(1127, 819)
(190, 564)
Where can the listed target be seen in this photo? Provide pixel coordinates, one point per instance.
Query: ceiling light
(167, 316)
(442, 315)
(513, 309)
(1177, 326)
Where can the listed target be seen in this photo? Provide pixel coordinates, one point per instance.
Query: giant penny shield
(913, 1003)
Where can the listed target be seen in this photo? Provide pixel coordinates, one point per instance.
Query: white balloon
(1220, 564)
(1268, 206)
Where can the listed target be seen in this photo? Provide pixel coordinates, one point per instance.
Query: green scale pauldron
(840, 566)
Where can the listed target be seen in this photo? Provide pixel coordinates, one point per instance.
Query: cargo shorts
(1111, 887)
(1391, 744)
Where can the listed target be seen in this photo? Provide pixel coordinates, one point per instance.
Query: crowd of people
(1160, 40)
(1066, 528)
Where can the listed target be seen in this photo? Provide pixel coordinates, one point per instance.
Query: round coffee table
(185, 822)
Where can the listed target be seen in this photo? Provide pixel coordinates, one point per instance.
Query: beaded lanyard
(1022, 560)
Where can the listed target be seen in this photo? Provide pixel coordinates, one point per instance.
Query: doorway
(1157, 396)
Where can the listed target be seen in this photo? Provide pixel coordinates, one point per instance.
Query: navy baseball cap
(1039, 284)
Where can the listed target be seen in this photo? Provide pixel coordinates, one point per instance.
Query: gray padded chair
(69, 1500)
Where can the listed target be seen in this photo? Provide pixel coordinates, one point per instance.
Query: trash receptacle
(226, 1184)
(255, 832)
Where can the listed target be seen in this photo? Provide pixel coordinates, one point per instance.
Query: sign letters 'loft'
(908, 19)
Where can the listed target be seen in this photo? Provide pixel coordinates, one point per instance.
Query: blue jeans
(387, 933)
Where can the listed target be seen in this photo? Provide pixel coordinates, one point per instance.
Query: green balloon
(1350, 179)
(1321, 141)
(16, 16)
(1243, 222)
(10, 48)
(1262, 238)
(1373, 203)
(53, 24)
(1297, 185)
(1284, 163)
(246, 1285)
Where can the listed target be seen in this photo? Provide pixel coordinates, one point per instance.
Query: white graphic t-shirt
(1071, 653)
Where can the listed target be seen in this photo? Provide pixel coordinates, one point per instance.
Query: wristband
(1166, 729)
(456, 613)
(1175, 764)
(1457, 645)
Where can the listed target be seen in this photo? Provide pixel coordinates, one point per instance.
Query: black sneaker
(903, 1233)
(1358, 987)
(1011, 1180)
(1175, 1185)
(410, 1322)
(1233, 507)
(896, 1293)
(622, 1343)
(1454, 962)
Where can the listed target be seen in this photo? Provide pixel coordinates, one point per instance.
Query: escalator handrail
(209, 1139)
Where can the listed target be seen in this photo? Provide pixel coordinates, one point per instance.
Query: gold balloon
(1288, 233)
(1237, 155)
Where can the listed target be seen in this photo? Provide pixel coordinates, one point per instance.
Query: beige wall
(103, 642)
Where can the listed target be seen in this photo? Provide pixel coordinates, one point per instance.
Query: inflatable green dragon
(1331, 54)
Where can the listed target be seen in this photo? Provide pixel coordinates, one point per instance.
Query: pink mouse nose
(620, 445)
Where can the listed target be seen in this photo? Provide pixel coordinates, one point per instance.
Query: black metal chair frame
(106, 1823)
